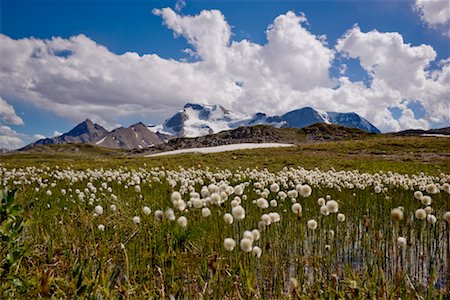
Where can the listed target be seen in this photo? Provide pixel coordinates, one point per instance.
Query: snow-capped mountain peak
(199, 119)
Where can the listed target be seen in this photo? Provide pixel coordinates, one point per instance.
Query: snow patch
(160, 129)
(435, 135)
(101, 141)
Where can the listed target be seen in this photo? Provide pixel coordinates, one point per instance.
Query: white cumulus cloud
(9, 138)
(401, 70)
(8, 114)
(39, 136)
(56, 133)
(76, 76)
(434, 12)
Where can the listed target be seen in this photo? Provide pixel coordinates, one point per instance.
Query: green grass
(69, 257)
(380, 153)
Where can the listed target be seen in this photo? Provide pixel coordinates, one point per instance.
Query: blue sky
(131, 26)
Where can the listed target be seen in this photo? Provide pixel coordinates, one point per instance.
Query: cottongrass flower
(341, 217)
(428, 210)
(170, 214)
(182, 221)
(377, 189)
(266, 219)
(292, 194)
(420, 214)
(447, 217)
(262, 225)
(282, 195)
(256, 234)
(206, 212)
(257, 251)
(98, 210)
(113, 207)
(180, 205)
(194, 195)
(101, 227)
(296, 208)
(146, 210)
(274, 217)
(273, 203)
(175, 196)
(248, 235)
(137, 188)
(401, 242)
(215, 198)
(228, 218)
(238, 190)
(197, 202)
(48, 192)
(205, 192)
(246, 245)
(305, 191)
(274, 187)
(262, 203)
(333, 206)
(446, 188)
(234, 203)
(238, 212)
(321, 201)
(159, 214)
(136, 220)
(229, 244)
(431, 219)
(324, 210)
(418, 195)
(327, 247)
(432, 189)
(397, 214)
(426, 200)
(312, 224)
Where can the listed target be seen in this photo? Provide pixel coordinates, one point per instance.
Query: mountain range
(135, 136)
(196, 120)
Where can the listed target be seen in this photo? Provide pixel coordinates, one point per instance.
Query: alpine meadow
(224, 149)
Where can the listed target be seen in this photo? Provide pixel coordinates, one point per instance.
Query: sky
(120, 62)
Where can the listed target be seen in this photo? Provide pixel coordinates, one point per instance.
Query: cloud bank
(77, 78)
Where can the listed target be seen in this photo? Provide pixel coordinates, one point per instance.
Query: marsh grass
(69, 257)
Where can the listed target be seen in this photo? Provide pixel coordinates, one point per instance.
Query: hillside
(416, 132)
(318, 132)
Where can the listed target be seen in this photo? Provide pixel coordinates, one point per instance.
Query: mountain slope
(264, 134)
(351, 120)
(438, 131)
(135, 136)
(197, 120)
(303, 117)
(85, 132)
